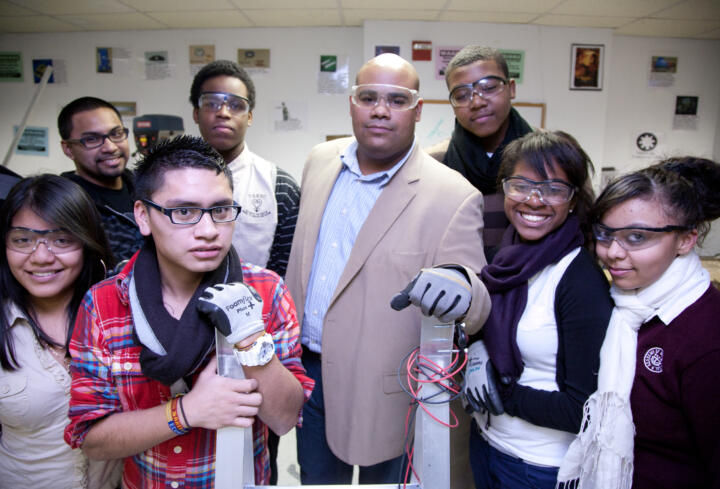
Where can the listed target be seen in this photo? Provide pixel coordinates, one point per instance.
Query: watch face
(267, 350)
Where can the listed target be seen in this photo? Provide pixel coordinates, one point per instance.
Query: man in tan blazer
(374, 210)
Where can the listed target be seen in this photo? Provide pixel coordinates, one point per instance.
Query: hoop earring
(102, 262)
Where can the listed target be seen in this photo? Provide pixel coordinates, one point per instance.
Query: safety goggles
(26, 240)
(368, 96)
(549, 192)
(461, 95)
(632, 238)
(214, 101)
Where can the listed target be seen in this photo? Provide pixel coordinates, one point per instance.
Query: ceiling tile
(692, 9)
(501, 17)
(293, 17)
(7, 8)
(713, 34)
(582, 20)
(201, 20)
(113, 22)
(178, 5)
(612, 8)
(63, 7)
(408, 5)
(355, 17)
(285, 4)
(526, 6)
(35, 23)
(667, 28)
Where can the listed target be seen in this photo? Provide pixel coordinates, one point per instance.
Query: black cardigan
(582, 311)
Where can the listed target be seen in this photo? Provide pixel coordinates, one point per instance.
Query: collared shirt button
(128, 366)
(323, 278)
(116, 365)
(177, 449)
(334, 245)
(315, 312)
(174, 484)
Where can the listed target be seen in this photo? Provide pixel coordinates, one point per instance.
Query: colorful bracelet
(184, 416)
(173, 418)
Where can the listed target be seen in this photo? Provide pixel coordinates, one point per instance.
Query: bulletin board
(438, 120)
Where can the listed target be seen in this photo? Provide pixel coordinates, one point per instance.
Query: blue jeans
(493, 469)
(318, 465)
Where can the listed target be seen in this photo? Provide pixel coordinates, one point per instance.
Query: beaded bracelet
(173, 418)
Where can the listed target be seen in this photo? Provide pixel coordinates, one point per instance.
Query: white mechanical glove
(235, 309)
(481, 381)
(441, 292)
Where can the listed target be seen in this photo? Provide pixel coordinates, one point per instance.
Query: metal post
(432, 439)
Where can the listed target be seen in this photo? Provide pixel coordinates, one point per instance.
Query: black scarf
(188, 340)
(506, 278)
(466, 154)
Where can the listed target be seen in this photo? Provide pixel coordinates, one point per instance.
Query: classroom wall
(291, 78)
(605, 122)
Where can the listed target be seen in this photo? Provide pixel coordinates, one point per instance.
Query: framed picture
(586, 66)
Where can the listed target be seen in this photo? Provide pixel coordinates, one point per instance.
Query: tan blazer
(426, 215)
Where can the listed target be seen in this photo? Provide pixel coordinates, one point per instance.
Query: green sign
(11, 68)
(516, 63)
(328, 63)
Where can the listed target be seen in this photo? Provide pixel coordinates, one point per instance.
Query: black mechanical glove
(481, 381)
(441, 292)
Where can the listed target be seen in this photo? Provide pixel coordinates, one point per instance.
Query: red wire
(437, 375)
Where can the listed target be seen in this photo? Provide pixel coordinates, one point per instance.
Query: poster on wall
(59, 72)
(334, 74)
(288, 115)
(586, 71)
(103, 60)
(34, 141)
(443, 56)
(11, 66)
(662, 71)
(200, 55)
(422, 50)
(686, 109)
(516, 63)
(254, 60)
(126, 109)
(387, 49)
(157, 65)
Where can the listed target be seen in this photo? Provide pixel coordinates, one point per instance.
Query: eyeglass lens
(192, 215)
(56, 241)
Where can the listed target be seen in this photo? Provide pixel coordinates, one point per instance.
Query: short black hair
(219, 68)
(180, 152)
(471, 54)
(81, 104)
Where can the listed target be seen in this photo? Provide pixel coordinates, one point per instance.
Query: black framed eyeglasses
(462, 95)
(92, 141)
(192, 215)
(549, 192)
(632, 238)
(214, 101)
(26, 240)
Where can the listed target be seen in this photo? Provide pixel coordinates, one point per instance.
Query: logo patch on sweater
(653, 359)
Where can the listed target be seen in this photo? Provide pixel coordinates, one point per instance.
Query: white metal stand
(432, 439)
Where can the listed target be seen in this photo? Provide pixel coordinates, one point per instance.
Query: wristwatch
(259, 353)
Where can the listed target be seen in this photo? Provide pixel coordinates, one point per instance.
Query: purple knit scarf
(506, 278)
